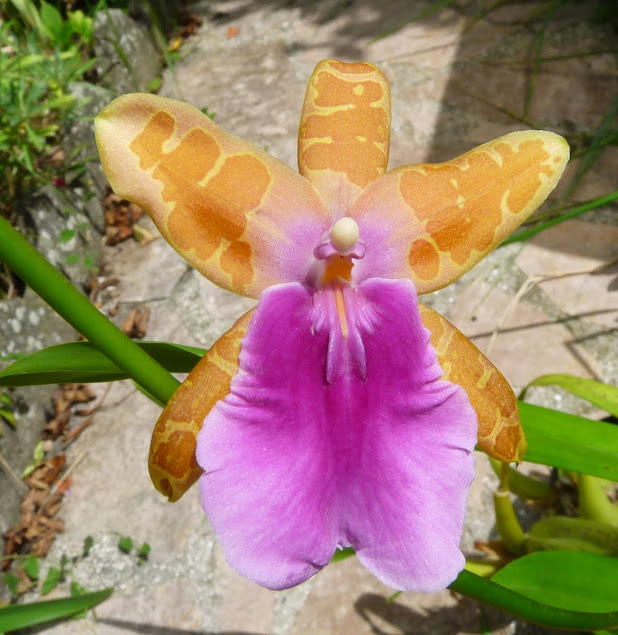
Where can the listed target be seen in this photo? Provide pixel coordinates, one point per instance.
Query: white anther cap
(344, 234)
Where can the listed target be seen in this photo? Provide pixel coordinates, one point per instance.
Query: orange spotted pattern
(232, 211)
(198, 194)
(463, 203)
(500, 433)
(171, 462)
(443, 218)
(475, 210)
(344, 133)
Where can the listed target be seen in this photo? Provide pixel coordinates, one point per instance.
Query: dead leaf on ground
(190, 24)
(38, 525)
(120, 216)
(73, 434)
(63, 399)
(135, 324)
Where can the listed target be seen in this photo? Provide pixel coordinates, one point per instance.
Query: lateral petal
(434, 222)
(171, 460)
(296, 466)
(344, 134)
(500, 432)
(240, 217)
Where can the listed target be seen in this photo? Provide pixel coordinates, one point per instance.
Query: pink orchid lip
(329, 439)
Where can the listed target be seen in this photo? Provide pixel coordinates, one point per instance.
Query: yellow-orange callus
(500, 433)
(231, 210)
(171, 462)
(344, 133)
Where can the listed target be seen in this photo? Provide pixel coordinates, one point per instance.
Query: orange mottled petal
(434, 222)
(171, 462)
(500, 432)
(232, 211)
(344, 134)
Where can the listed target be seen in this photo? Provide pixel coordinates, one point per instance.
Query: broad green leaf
(601, 395)
(24, 615)
(582, 534)
(570, 442)
(514, 601)
(81, 362)
(581, 582)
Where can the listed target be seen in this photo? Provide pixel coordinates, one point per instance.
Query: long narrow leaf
(572, 213)
(81, 362)
(601, 395)
(570, 442)
(474, 586)
(24, 615)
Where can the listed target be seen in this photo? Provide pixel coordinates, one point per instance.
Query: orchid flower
(339, 412)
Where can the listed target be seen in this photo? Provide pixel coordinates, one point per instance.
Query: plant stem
(586, 207)
(65, 299)
(593, 502)
(507, 524)
(525, 487)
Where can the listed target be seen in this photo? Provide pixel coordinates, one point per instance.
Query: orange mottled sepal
(500, 432)
(233, 212)
(171, 462)
(344, 133)
(436, 221)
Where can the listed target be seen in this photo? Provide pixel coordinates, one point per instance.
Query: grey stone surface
(127, 57)
(62, 232)
(450, 91)
(79, 144)
(26, 325)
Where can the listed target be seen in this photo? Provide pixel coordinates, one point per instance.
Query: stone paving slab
(255, 84)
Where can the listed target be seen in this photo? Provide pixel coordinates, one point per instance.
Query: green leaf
(581, 582)
(24, 615)
(144, 551)
(125, 544)
(39, 452)
(51, 580)
(11, 582)
(517, 603)
(571, 213)
(9, 417)
(601, 395)
(581, 534)
(65, 299)
(88, 544)
(51, 18)
(77, 590)
(570, 442)
(343, 554)
(31, 567)
(65, 235)
(81, 362)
